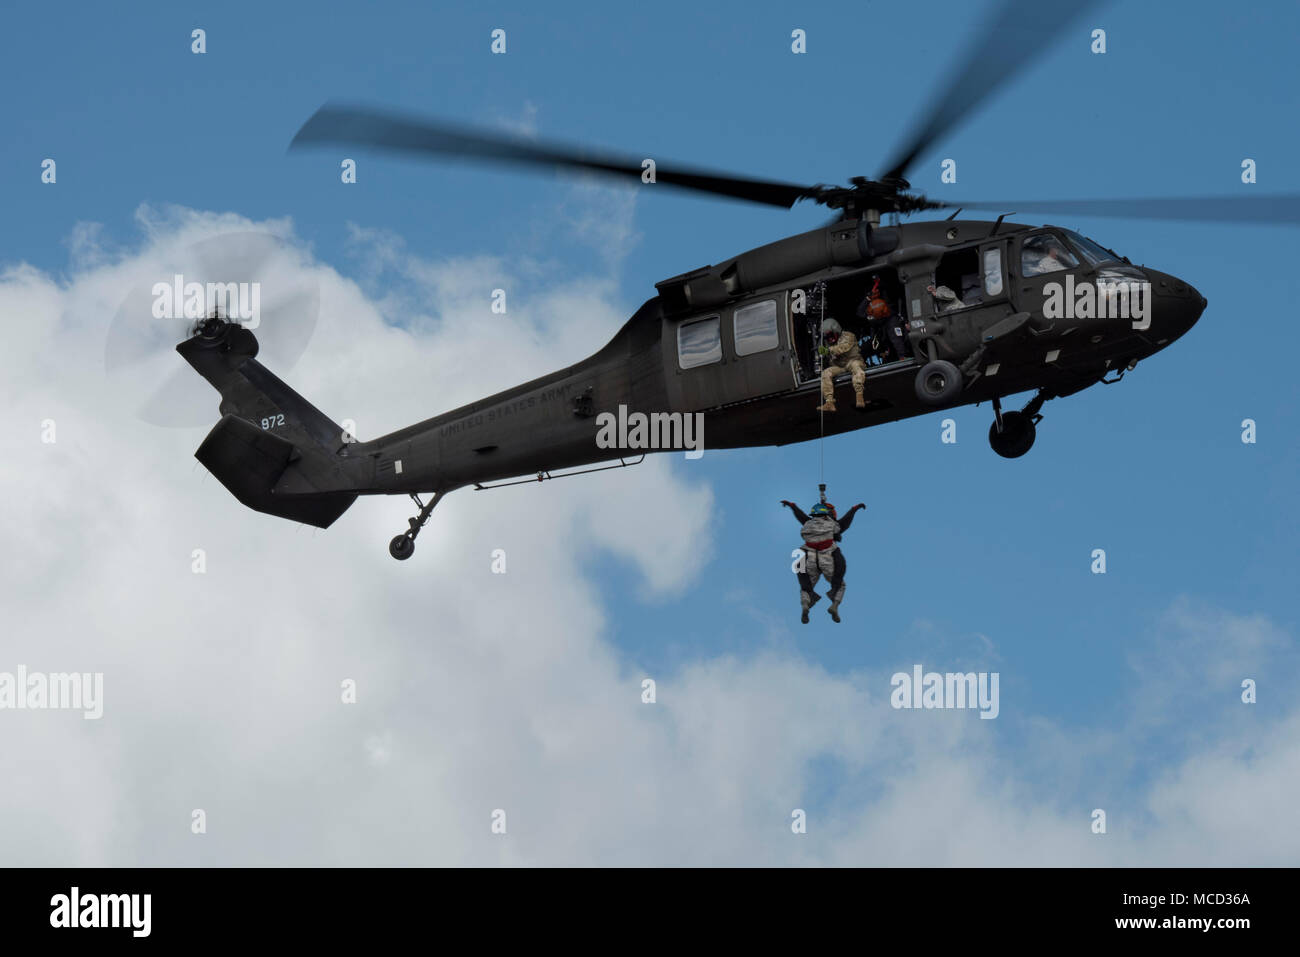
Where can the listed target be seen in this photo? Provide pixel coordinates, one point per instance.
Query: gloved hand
(858, 506)
(787, 504)
(823, 351)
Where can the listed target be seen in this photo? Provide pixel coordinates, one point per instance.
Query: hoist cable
(821, 408)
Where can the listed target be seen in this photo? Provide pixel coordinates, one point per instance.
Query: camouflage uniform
(821, 556)
(843, 357)
(821, 561)
(945, 300)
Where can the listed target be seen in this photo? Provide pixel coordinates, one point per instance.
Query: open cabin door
(968, 294)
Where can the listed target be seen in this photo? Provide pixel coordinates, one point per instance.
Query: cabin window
(755, 326)
(993, 272)
(699, 343)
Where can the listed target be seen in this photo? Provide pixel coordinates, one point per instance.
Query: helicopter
(948, 312)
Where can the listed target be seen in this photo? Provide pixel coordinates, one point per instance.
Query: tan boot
(827, 406)
(860, 402)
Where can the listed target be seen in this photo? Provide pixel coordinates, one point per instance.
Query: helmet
(821, 508)
(830, 329)
(877, 307)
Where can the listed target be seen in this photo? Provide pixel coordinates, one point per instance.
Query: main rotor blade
(1281, 209)
(360, 126)
(1009, 42)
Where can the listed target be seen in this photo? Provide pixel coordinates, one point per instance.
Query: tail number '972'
(273, 421)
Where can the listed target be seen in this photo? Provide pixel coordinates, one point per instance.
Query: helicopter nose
(1184, 310)
(1176, 305)
(1200, 302)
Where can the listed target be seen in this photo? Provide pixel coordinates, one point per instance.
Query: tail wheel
(938, 382)
(401, 547)
(1016, 437)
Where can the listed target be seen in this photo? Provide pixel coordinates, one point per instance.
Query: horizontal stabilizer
(249, 462)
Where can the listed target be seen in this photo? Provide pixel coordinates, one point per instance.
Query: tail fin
(273, 450)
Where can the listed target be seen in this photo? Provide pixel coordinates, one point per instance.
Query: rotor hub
(864, 195)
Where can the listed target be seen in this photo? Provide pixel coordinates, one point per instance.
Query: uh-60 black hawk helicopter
(740, 341)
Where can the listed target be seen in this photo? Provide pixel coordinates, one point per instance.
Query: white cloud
(479, 691)
(598, 212)
(522, 124)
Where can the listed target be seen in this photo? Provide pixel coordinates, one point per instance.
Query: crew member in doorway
(821, 532)
(945, 300)
(875, 308)
(839, 350)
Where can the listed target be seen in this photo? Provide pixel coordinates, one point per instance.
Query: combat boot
(834, 608)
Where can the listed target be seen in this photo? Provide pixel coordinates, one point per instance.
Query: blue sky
(962, 559)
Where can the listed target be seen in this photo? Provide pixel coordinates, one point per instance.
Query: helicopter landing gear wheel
(1012, 434)
(1016, 435)
(938, 382)
(402, 546)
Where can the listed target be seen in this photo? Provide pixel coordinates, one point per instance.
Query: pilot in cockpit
(1044, 254)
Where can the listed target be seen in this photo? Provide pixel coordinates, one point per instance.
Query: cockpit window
(1093, 252)
(1043, 254)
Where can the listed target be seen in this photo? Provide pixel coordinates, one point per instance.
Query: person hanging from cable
(841, 354)
(821, 531)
